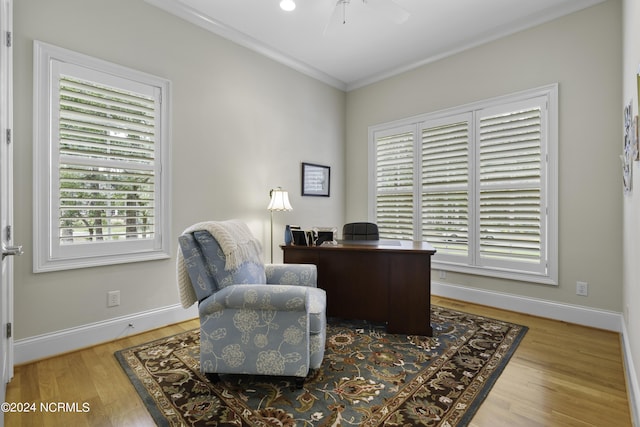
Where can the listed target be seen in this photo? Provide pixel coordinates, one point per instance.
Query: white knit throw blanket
(237, 244)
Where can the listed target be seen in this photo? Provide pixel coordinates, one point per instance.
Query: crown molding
(193, 16)
(177, 8)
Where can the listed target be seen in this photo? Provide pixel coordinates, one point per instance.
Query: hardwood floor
(560, 375)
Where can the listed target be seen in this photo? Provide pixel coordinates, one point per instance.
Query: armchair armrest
(257, 297)
(292, 274)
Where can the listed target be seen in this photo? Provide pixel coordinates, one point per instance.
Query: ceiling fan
(386, 8)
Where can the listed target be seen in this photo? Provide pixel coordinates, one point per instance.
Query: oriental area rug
(368, 378)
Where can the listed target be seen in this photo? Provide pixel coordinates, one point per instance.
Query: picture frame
(325, 235)
(316, 180)
(628, 148)
(638, 87)
(636, 139)
(299, 237)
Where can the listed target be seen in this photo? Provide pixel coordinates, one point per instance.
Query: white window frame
(473, 264)
(49, 254)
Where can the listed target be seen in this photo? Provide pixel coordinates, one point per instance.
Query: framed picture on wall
(628, 148)
(316, 180)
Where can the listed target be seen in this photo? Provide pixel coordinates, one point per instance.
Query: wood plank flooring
(560, 375)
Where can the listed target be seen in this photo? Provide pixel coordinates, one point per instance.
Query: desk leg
(410, 295)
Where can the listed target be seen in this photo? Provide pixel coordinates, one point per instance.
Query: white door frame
(6, 196)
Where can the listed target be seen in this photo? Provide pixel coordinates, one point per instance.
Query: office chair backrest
(360, 231)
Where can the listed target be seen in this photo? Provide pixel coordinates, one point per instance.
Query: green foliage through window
(106, 163)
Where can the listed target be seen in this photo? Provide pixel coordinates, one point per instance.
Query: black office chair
(360, 231)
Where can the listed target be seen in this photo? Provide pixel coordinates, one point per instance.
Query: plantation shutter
(479, 184)
(394, 152)
(102, 169)
(107, 167)
(445, 185)
(510, 206)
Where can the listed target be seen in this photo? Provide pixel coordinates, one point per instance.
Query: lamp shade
(279, 200)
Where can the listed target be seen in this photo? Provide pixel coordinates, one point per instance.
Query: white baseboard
(581, 315)
(42, 346)
(47, 345)
(633, 388)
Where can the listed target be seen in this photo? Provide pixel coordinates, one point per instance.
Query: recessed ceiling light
(287, 5)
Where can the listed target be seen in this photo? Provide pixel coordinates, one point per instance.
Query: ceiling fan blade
(389, 9)
(337, 17)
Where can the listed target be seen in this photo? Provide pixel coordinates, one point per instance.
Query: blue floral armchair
(255, 318)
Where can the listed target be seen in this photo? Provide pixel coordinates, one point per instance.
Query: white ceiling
(369, 46)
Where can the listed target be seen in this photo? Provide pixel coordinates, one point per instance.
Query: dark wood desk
(381, 281)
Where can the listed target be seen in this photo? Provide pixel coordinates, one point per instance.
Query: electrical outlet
(582, 288)
(113, 298)
(443, 274)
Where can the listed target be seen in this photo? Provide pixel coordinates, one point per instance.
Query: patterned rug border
(146, 398)
(495, 374)
(152, 405)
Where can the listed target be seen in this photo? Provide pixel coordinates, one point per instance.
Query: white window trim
(45, 256)
(551, 182)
